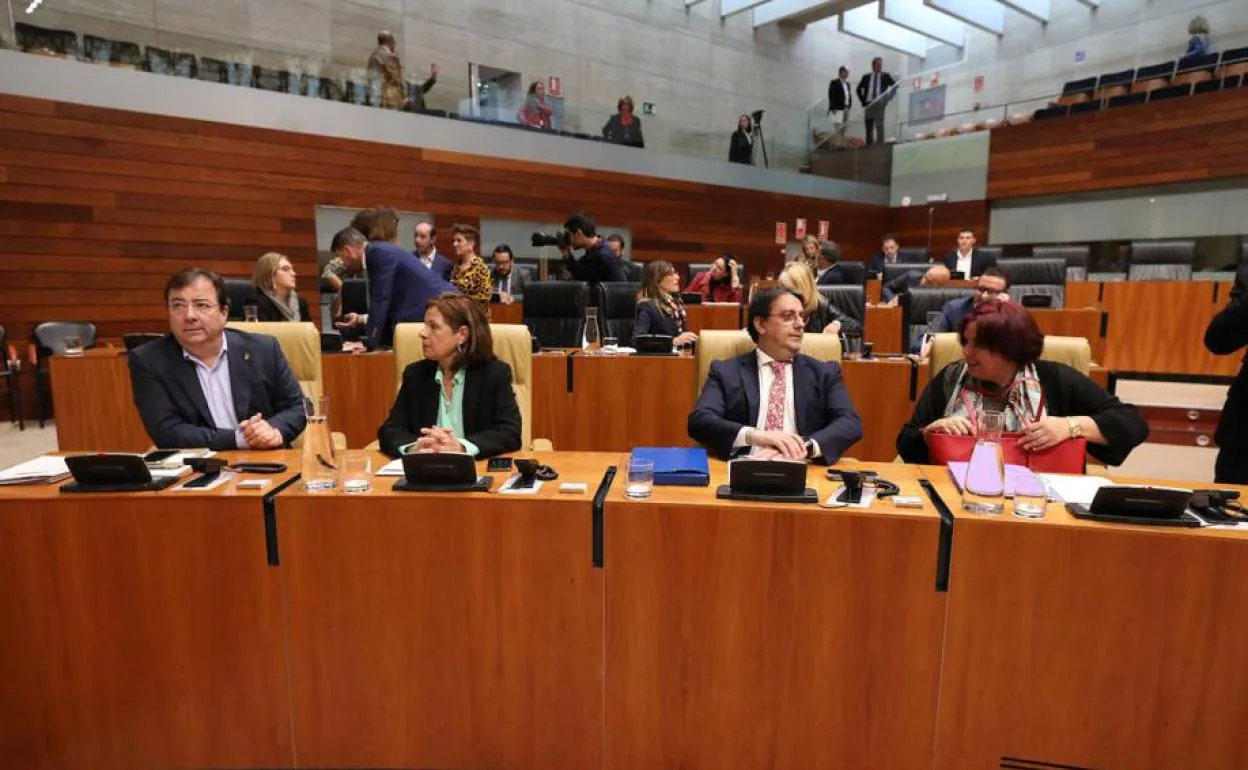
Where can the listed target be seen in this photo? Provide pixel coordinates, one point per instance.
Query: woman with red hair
(1044, 401)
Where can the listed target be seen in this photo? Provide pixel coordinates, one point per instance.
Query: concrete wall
(701, 72)
(1034, 60)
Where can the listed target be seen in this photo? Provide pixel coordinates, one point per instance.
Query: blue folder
(677, 466)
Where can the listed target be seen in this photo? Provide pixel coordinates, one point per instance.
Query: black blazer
(399, 289)
(980, 262)
(741, 150)
(175, 411)
(1227, 333)
(649, 319)
(864, 86)
(491, 416)
(837, 98)
(826, 313)
(730, 401)
(267, 310)
(598, 264)
(1067, 393)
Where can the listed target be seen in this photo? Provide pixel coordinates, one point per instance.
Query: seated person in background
(828, 270)
(810, 252)
(1045, 401)
(599, 262)
(966, 259)
(659, 308)
(203, 385)
(459, 398)
(470, 274)
(887, 255)
(399, 286)
(992, 285)
(936, 275)
(821, 316)
(721, 283)
(615, 242)
(274, 279)
(773, 401)
(507, 280)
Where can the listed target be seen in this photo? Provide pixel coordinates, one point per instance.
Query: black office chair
(10, 374)
(239, 293)
(617, 306)
(1031, 277)
(554, 311)
(855, 273)
(633, 270)
(1162, 260)
(916, 304)
(850, 300)
(915, 255)
(50, 338)
(1076, 258)
(695, 268)
(139, 339)
(898, 268)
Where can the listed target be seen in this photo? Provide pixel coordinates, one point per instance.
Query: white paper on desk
(171, 473)
(392, 468)
(44, 466)
(508, 487)
(1074, 489)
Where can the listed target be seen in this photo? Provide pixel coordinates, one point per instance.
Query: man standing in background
(840, 100)
(425, 237)
(385, 74)
(872, 86)
(416, 102)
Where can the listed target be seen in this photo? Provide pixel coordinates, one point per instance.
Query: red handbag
(1067, 457)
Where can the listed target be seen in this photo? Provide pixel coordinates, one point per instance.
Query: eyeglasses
(986, 290)
(181, 308)
(790, 317)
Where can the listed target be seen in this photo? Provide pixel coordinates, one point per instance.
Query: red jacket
(721, 292)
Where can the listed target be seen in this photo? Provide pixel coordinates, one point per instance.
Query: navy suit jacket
(399, 288)
(172, 403)
(875, 265)
(442, 266)
(730, 401)
(979, 262)
(648, 319)
(598, 264)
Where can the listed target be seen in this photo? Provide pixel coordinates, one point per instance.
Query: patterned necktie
(775, 397)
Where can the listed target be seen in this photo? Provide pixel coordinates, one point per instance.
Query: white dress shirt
(214, 381)
(964, 263)
(765, 378)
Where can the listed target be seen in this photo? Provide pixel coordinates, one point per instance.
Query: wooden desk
(361, 389)
(743, 635)
(1082, 322)
(426, 637)
(507, 314)
(93, 403)
(1092, 645)
(715, 315)
(883, 392)
(140, 631)
(882, 328)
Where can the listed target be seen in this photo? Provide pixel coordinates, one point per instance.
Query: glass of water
(357, 472)
(1030, 497)
(251, 314)
(640, 478)
(73, 346)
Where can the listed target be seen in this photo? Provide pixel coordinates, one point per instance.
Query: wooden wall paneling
(361, 390)
(1172, 340)
(911, 225)
(883, 329)
(93, 403)
(1081, 294)
(1083, 322)
(881, 392)
(1193, 139)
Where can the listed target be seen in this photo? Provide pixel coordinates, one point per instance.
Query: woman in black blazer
(275, 298)
(659, 309)
(459, 399)
(741, 149)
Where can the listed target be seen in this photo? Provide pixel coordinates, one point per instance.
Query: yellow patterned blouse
(473, 280)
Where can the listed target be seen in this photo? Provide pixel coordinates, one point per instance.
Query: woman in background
(470, 274)
(535, 111)
(822, 317)
(276, 300)
(659, 309)
(624, 127)
(741, 149)
(721, 283)
(459, 398)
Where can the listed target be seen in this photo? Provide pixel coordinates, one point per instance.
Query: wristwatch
(810, 448)
(1076, 430)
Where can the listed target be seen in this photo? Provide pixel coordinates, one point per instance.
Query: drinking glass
(251, 314)
(593, 340)
(984, 491)
(933, 321)
(357, 472)
(853, 346)
(73, 346)
(1030, 497)
(318, 469)
(640, 478)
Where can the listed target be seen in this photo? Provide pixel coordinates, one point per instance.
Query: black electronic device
(777, 481)
(158, 456)
(1037, 300)
(112, 473)
(652, 344)
(1124, 504)
(691, 298)
(957, 275)
(441, 472)
(498, 464)
(201, 481)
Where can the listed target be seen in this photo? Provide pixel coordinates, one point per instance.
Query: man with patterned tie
(774, 402)
(871, 87)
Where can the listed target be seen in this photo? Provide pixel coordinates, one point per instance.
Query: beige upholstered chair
(1075, 352)
(718, 345)
(301, 344)
(512, 344)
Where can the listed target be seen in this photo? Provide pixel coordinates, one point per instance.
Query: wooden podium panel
(1159, 327)
(715, 315)
(93, 403)
(1092, 645)
(881, 392)
(882, 328)
(750, 635)
(1082, 322)
(141, 631)
(445, 631)
(361, 389)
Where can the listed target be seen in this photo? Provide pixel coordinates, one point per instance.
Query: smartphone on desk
(498, 464)
(201, 481)
(159, 456)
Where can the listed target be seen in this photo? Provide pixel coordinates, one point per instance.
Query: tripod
(762, 141)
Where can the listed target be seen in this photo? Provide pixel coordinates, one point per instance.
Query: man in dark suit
(827, 265)
(774, 402)
(599, 262)
(887, 255)
(872, 86)
(992, 285)
(203, 385)
(840, 100)
(426, 239)
(1227, 333)
(966, 259)
(399, 286)
(936, 275)
(504, 277)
